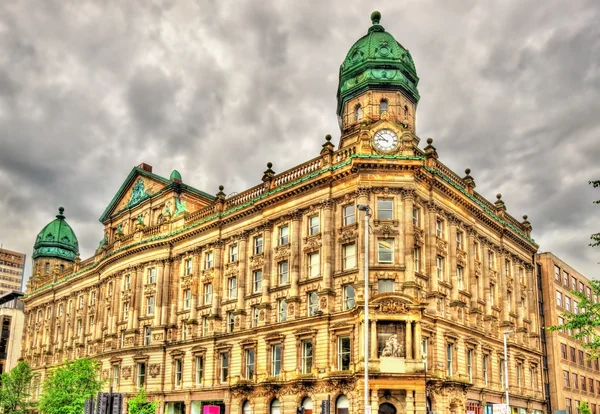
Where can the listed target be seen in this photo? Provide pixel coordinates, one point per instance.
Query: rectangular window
(92, 320)
(470, 364)
(566, 381)
(178, 372)
(559, 299)
(141, 374)
(207, 299)
(199, 369)
(150, 305)
(313, 225)
(127, 282)
(486, 361)
(348, 215)
(349, 256)
(459, 240)
(284, 235)
(208, 260)
(313, 303)
(573, 283)
(460, 277)
(563, 351)
(568, 405)
(567, 304)
(501, 366)
(152, 275)
(581, 358)
(282, 310)
(257, 281)
(147, 335)
(439, 228)
(230, 321)
(449, 359)
(249, 359)
(476, 250)
(385, 209)
(349, 297)
(575, 378)
(282, 272)
(581, 286)
(343, 353)
(575, 307)
(519, 373)
(92, 302)
(188, 267)
(276, 360)
(439, 265)
(583, 384)
(258, 245)
(187, 298)
(125, 310)
(307, 357)
(184, 331)
(507, 267)
(417, 258)
(521, 276)
(591, 384)
(588, 292)
(204, 326)
(224, 366)
(385, 250)
(572, 354)
(415, 216)
(490, 259)
(385, 285)
(233, 253)
(254, 317)
(314, 264)
(232, 287)
(79, 327)
(115, 375)
(492, 293)
(565, 279)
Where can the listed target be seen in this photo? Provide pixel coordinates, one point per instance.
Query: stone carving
(237, 322)
(150, 290)
(461, 257)
(186, 282)
(441, 246)
(126, 372)
(208, 274)
(291, 309)
(393, 306)
(138, 193)
(231, 268)
(419, 236)
(312, 243)
(323, 302)
(257, 261)
(180, 207)
(154, 370)
(392, 348)
(282, 252)
(387, 229)
(105, 373)
(158, 336)
(261, 315)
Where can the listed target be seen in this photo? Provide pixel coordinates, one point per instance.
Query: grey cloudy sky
(215, 89)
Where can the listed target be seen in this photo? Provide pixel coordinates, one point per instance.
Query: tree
(596, 236)
(15, 389)
(140, 404)
(584, 409)
(67, 387)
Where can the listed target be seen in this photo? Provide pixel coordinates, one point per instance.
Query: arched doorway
(307, 404)
(387, 408)
(342, 404)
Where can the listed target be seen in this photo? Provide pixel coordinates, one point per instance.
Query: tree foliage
(584, 409)
(67, 387)
(596, 236)
(16, 389)
(140, 404)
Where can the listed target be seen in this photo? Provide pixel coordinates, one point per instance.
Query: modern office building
(255, 302)
(574, 376)
(12, 269)
(12, 319)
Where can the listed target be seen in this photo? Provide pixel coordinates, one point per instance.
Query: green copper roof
(377, 60)
(175, 175)
(56, 240)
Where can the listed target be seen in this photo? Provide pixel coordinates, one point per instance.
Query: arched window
(247, 408)
(47, 267)
(383, 106)
(275, 407)
(358, 113)
(341, 405)
(405, 112)
(387, 408)
(307, 404)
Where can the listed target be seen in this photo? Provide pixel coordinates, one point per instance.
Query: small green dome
(377, 60)
(57, 240)
(175, 176)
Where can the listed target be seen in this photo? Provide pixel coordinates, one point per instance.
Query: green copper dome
(57, 240)
(377, 60)
(175, 175)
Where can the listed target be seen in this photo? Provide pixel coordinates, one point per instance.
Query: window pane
(385, 209)
(385, 249)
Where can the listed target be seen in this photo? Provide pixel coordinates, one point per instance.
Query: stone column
(486, 276)
(328, 234)
(417, 341)
(138, 295)
(242, 270)
(219, 282)
(268, 252)
(363, 198)
(295, 253)
(530, 302)
(373, 340)
(196, 285)
(505, 286)
(470, 268)
(167, 276)
(409, 235)
(174, 289)
(409, 341)
(452, 221)
(431, 246)
(115, 307)
(159, 294)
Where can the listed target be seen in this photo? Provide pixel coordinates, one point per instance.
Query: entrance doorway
(387, 408)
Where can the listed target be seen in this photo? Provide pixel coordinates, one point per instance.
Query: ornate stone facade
(255, 301)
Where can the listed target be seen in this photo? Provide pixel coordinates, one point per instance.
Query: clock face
(385, 140)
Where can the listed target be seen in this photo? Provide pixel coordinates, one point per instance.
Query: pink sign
(211, 409)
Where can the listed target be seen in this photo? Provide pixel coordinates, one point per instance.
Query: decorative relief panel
(208, 274)
(257, 261)
(393, 306)
(231, 268)
(281, 252)
(441, 246)
(312, 243)
(154, 370)
(126, 372)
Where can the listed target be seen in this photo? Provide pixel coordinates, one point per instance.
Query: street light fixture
(506, 371)
(367, 210)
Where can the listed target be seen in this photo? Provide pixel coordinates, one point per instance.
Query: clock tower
(377, 95)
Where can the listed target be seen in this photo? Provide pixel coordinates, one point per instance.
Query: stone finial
(500, 206)
(526, 225)
(328, 147)
(430, 151)
(469, 181)
(375, 17)
(221, 194)
(269, 173)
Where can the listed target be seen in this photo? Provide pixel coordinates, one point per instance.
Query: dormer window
(383, 106)
(358, 113)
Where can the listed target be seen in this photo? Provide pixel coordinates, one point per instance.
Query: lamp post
(506, 371)
(367, 210)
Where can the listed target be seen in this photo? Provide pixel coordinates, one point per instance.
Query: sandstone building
(575, 377)
(254, 302)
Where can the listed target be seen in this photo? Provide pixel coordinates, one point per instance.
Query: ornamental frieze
(150, 290)
(157, 336)
(348, 233)
(281, 252)
(186, 282)
(231, 268)
(257, 261)
(393, 306)
(312, 243)
(208, 274)
(386, 229)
